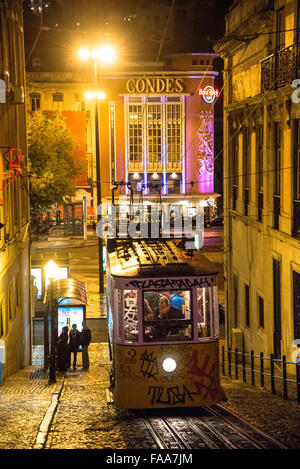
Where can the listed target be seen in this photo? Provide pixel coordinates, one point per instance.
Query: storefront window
(167, 316)
(204, 312)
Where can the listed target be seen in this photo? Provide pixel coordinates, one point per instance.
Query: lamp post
(106, 54)
(52, 273)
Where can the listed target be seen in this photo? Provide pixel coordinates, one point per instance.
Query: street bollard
(284, 377)
(236, 364)
(262, 382)
(223, 360)
(252, 368)
(272, 371)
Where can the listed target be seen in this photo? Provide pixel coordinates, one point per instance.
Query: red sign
(209, 94)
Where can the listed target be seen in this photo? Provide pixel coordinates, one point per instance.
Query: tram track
(207, 428)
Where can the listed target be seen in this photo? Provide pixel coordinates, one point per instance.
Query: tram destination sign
(170, 283)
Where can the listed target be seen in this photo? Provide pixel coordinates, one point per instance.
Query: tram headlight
(169, 365)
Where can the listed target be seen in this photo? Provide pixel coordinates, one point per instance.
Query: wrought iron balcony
(281, 68)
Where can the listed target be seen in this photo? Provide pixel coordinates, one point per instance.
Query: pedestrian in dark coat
(86, 338)
(62, 350)
(74, 343)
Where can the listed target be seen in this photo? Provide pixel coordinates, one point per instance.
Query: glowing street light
(52, 270)
(94, 94)
(106, 54)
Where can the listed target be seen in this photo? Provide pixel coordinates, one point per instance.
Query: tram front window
(167, 316)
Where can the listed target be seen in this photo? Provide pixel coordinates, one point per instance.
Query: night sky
(136, 26)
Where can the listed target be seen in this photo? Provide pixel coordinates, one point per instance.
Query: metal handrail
(254, 371)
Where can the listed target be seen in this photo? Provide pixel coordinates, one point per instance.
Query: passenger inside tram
(167, 315)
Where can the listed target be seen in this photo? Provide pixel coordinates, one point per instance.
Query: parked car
(216, 221)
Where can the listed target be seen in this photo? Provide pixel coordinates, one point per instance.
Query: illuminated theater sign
(209, 94)
(156, 85)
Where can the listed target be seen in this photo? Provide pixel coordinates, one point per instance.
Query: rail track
(205, 428)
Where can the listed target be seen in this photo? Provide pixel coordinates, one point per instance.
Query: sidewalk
(46, 242)
(73, 413)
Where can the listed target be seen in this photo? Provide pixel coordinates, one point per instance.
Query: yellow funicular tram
(163, 325)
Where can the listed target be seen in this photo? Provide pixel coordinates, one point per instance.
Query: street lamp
(105, 54)
(52, 272)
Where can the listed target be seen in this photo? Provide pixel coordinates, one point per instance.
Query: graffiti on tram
(171, 395)
(195, 377)
(171, 283)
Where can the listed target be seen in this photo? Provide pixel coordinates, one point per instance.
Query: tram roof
(154, 258)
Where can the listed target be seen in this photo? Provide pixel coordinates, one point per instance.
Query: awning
(68, 288)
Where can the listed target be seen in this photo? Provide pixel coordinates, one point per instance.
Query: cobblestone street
(82, 419)
(74, 414)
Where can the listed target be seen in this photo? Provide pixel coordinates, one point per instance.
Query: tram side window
(167, 316)
(130, 315)
(204, 312)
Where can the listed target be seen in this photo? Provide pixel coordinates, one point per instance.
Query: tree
(51, 162)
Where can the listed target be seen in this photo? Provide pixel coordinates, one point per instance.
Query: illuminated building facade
(261, 175)
(156, 125)
(15, 285)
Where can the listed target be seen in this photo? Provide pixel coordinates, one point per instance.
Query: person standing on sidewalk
(74, 344)
(86, 338)
(62, 349)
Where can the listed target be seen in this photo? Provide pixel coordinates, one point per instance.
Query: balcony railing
(280, 69)
(296, 221)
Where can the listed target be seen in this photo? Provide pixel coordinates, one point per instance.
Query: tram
(163, 325)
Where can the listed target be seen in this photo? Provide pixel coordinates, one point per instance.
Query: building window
(296, 217)
(112, 141)
(36, 64)
(280, 32)
(277, 159)
(277, 172)
(57, 97)
(155, 132)
(1, 320)
(11, 302)
(174, 136)
(135, 137)
(235, 165)
(261, 312)
(235, 300)
(35, 101)
(247, 305)
(154, 137)
(11, 52)
(296, 301)
(259, 168)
